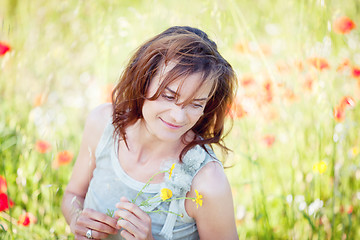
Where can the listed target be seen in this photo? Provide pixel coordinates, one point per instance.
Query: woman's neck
(145, 147)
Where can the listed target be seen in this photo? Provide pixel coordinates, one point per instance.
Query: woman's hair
(191, 51)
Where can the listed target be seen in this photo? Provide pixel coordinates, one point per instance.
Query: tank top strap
(105, 138)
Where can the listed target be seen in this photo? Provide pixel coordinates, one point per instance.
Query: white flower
(315, 206)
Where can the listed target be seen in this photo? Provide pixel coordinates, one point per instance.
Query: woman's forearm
(72, 205)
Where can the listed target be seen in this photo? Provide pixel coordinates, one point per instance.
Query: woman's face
(167, 118)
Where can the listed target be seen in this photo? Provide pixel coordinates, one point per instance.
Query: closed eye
(197, 105)
(168, 97)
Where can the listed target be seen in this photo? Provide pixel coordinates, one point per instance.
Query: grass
(65, 56)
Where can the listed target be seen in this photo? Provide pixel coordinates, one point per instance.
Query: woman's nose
(178, 113)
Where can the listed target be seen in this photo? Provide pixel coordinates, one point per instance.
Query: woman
(168, 107)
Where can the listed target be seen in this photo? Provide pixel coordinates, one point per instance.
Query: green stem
(159, 210)
(147, 184)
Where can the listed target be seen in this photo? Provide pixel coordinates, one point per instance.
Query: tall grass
(66, 55)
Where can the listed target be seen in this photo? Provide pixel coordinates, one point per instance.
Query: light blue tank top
(110, 183)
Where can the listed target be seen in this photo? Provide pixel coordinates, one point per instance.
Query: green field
(295, 164)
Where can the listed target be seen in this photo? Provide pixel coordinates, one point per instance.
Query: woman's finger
(100, 217)
(133, 208)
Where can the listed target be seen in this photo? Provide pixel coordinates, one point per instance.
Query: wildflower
(4, 48)
(354, 151)
(26, 219)
(171, 170)
(355, 72)
(3, 185)
(350, 210)
(343, 25)
(347, 101)
(5, 202)
(198, 200)
(63, 158)
(269, 140)
(315, 206)
(268, 87)
(42, 146)
(339, 114)
(320, 167)
(165, 194)
(308, 82)
(247, 80)
(319, 63)
(344, 64)
(237, 111)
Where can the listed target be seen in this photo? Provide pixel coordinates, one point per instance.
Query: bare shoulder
(211, 180)
(97, 120)
(100, 115)
(215, 218)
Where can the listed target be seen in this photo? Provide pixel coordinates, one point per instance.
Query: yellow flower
(320, 167)
(165, 194)
(171, 170)
(198, 199)
(355, 151)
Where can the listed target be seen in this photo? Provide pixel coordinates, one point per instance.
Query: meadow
(295, 133)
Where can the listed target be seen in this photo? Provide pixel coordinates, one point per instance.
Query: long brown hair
(193, 52)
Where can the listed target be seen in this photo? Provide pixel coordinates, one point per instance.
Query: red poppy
(26, 219)
(5, 202)
(4, 48)
(269, 140)
(347, 101)
(3, 185)
(308, 82)
(339, 113)
(247, 80)
(62, 158)
(319, 63)
(355, 72)
(343, 25)
(42, 146)
(350, 210)
(268, 87)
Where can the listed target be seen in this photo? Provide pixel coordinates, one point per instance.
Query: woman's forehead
(189, 85)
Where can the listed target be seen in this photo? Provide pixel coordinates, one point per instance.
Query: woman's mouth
(170, 125)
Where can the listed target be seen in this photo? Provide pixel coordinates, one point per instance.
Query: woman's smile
(170, 125)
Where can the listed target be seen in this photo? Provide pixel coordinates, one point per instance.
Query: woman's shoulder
(101, 114)
(211, 178)
(96, 122)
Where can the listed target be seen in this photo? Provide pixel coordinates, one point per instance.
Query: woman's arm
(215, 218)
(79, 219)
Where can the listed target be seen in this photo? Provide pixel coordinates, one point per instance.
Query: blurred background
(295, 164)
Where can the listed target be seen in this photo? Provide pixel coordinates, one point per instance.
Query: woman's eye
(168, 97)
(197, 105)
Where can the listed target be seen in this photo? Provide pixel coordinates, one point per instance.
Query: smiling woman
(168, 107)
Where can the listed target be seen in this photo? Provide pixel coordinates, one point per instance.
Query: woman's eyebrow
(194, 100)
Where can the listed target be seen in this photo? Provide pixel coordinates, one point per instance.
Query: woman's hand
(99, 223)
(135, 222)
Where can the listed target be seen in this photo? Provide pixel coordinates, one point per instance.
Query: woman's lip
(171, 125)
